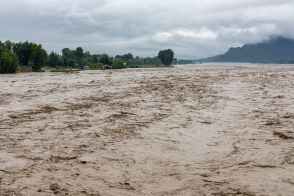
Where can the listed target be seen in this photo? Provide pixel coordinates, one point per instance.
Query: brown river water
(189, 130)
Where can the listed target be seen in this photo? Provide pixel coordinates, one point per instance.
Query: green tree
(125, 57)
(23, 52)
(79, 54)
(105, 59)
(68, 58)
(8, 62)
(27, 52)
(53, 60)
(166, 57)
(95, 59)
(38, 57)
(2, 47)
(8, 45)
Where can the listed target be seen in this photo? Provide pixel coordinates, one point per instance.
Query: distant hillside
(275, 50)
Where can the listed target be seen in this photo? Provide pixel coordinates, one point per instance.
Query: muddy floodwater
(187, 130)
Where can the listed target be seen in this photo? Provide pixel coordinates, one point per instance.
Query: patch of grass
(144, 66)
(61, 69)
(97, 66)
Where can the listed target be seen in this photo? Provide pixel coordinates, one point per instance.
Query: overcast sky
(192, 28)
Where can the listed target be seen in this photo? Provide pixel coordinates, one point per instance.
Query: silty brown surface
(188, 130)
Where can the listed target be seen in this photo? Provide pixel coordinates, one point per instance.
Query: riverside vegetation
(34, 56)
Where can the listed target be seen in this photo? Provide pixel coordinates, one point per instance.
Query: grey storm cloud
(192, 28)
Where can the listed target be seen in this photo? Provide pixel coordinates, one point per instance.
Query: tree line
(27, 54)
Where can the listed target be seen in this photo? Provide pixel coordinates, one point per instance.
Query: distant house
(25, 69)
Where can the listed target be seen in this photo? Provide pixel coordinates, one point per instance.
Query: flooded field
(189, 130)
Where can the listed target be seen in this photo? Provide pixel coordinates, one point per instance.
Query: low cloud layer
(192, 28)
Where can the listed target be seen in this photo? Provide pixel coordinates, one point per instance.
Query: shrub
(96, 66)
(118, 64)
(61, 69)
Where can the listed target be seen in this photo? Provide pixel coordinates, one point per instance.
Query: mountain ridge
(277, 49)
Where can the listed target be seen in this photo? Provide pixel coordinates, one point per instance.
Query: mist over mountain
(277, 49)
